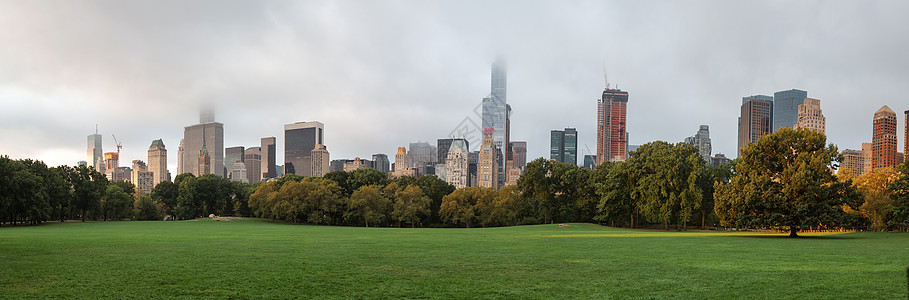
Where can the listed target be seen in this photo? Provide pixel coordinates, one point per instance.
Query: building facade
(488, 165)
(701, 140)
(884, 139)
(456, 164)
(612, 134)
(157, 162)
(810, 116)
(207, 134)
(563, 145)
(299, 140)
(401, 160)
(233, 155)
(95, 156)
(866, 158)
(354, 165)
(180, 154)
(590, 162)
(320, 161)
(785, 108)
(238, 172)
(141, 177)
(268, 148)
(519, 153)
(381, 162)
(756, 119)
(853, 160)
(252, 159)
(420, 154)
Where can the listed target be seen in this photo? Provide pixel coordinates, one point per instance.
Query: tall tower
(884, 139)
(252, 159)
(300, 139)
(811, 116)
(612, 136)
(556, 145)
(496, 113)
(457, 165)
(785, 107)
(157, 162)
(319, 160)
(756, 119)
(701, 140)
(488, 167)
(268, 158)
(401, 160)
(207, 134)
(95, 156)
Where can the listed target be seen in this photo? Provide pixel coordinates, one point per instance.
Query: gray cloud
(383, 74)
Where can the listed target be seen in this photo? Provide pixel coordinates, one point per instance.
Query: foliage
(368, 204)
(144, 208)
(410, 205)
(784, 180)
(874, 186)
(116, 203)
(899, 189)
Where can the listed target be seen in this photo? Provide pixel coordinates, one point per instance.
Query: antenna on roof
(96, 128)
(605, 76)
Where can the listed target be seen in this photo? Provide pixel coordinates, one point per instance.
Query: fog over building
(209, 135)
(300, 139)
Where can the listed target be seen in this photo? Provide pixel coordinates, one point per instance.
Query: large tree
(88, 188)
(368, 204)
(875, 187)
(410, 205)
(785, 180)
(899, 189)
(116, 203)
(166, 194)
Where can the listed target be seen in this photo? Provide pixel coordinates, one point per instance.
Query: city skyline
(407, 86)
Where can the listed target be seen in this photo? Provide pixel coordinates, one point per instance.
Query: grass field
(260, 259)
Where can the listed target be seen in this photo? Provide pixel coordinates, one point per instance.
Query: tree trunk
(792, 232)
(83, 216)
(702, 219)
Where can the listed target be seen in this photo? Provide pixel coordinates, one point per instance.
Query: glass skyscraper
(563, 145)
(786, 107)
(299, 140)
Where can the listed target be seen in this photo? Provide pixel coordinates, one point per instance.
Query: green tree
(189, 205)
(899, 194)
(508, 204)
(166, 193)
(410, 205)
(88, 188)
(144, 208)
(460, 206)
(666, 181)
(614, 187)
(213, 192)
(875, 186)
(368, 203)
(128, 187)
(116, 203)
(784, 180)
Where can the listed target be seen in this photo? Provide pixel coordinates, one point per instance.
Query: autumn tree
(459, 206)
(410, 205)
(368, 204)
(875, 187)
(785, 180)
(899, 189)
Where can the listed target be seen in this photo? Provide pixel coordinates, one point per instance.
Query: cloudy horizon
(384, 74)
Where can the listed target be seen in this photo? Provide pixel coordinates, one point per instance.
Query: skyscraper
(496, 114)
(268, 158)
(487, 169)
(442, 145)
(756, 119)
(402, 162)
(785, 107)
(207, 134)
(421, 153)
(299, 140)
(612, 136)
(811, 116)
(319, 161)
(701, 140)
(157, 162)
(233, 155)
(95, 154)
(180, 154)
(381, 162)
(456, 165)
(884, 139)
(252, 158)
(564, 145)
(519, 153)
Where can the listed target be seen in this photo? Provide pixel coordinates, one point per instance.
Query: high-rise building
(95, 154)
(381, 162)
(141, 177)
(701, 140)
(866, 157)
(401, 160)
(590, 162)
(204, 161)
(157, 162)
(443, 145)
(420, 154)
(111, 160)
(513, 175)
(519, 152)
(756, 119)
(180, 154)
(299, 140)
(233, 155)
(456, 165)
(252, 158)
(207, 134)
(853, 161)
(496, 114)
(487, 168)
(785, 107)
(268, 158)
(884, 139)
(810, 116)
(238, 172)
(612, 136)
(564, 146)
(319, 161)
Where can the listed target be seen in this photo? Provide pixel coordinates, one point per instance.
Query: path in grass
(252, 258)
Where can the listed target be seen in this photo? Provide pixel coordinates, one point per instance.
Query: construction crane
(588, 149)
(118, 143)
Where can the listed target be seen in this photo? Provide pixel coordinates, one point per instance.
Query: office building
(853, 161)
(810, 116)
(337, 165)
(207, 134)
(756, 119)
(563, 145)
(473, 162)
(268, 149)
(141, 177)
(519, 152)
(320, 161)
(487, 167)
(443, 145)
(612, 136)
(401, 160)
(420, 154)
(513, 175)
(381, 162)
(95, 156)
(252, 159)
(233, 155)
(440, 172)
(204, 161)
(785, 108)
(299, 140)
(82, 163)
(456, 164)
(496, 115)
(157, 162)
(701, 140)
(884, 139)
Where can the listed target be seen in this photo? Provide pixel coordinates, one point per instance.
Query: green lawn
(260, 259)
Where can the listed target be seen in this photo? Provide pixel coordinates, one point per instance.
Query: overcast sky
(382, 74)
